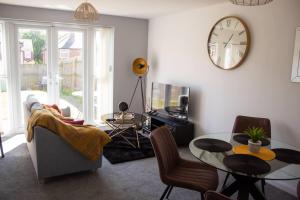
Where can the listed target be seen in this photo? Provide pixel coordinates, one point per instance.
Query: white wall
(130, 42)
(177, 53)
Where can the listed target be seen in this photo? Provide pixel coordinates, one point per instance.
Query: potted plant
(256, 134)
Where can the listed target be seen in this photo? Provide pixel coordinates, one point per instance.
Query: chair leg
(202, 196)
(169, 192)
(225, 181)
(137, 139)
(165, 192)
(263, 183)
(1, 147)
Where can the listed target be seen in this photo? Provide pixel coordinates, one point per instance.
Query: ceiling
(129, 8)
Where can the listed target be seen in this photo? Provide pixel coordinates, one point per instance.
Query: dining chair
(242, 123)
(175, 171)
(298, 190)
(212, 195)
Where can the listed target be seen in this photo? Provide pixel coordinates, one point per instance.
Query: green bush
(255, 133)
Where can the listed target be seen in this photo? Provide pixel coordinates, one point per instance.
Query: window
(4, 113)
(69, 69)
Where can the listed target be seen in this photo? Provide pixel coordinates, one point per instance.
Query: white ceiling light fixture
(250, 2)
(86, 12)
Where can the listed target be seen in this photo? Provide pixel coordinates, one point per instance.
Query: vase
(254, 147)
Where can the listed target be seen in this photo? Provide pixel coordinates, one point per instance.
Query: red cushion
(77, 122)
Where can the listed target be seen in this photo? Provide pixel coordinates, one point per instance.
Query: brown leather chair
(298, 190)
(242, 123)
(177, 172)
(211, 195)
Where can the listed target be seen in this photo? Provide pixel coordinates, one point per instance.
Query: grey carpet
(131, 180)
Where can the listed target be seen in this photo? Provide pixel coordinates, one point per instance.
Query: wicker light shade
(250, 2)
(86, 12)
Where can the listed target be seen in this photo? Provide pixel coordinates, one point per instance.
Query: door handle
(58, 78)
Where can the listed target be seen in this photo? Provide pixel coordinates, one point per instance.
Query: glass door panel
(70, 71)
(103, 74)
(33, 59)
(4, 114)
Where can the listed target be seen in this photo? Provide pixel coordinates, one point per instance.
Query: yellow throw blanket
(88, 140)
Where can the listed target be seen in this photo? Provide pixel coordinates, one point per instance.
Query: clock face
(228, 43)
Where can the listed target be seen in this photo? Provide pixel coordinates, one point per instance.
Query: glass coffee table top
(124, 124)
(128, 118)
(279, 170)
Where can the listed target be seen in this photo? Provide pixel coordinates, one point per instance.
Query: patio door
(69, 70)
(4, 114)
(64, 64)
(51, 66)
(33, 63)
(33, 54)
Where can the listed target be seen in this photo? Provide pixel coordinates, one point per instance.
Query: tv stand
(182, 130)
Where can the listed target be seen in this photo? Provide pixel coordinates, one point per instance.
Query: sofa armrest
(48, 149)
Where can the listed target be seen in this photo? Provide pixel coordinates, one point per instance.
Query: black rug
(118, 150)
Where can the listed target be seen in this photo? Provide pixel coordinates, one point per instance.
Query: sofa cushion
(66, 112)
(32, 103)
(36, 106)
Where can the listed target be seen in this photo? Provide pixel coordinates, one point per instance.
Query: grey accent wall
(131, 41)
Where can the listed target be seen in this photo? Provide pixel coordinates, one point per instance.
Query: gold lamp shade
(140, 67)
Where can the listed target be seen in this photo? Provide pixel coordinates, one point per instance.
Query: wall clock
(228, 42)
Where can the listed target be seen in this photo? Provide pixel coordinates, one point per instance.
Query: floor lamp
(139, 68)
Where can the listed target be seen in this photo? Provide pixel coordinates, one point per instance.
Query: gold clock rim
(247, 47)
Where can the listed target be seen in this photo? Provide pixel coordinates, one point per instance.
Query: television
(170, 100)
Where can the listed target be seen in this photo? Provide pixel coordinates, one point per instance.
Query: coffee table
(124, 123)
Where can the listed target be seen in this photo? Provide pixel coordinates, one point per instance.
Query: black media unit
(182, 130)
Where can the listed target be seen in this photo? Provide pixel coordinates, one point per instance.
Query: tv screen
(170, 100)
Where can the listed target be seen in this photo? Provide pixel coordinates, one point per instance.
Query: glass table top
(279, 170)
(126, 118)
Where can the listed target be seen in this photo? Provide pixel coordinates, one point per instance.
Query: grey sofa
(52, 156)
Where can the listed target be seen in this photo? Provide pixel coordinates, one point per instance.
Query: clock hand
(228, 41)
(233, 43)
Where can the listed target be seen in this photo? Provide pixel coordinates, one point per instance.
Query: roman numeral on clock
(228, 22)
(237, 23)
(221, 27)
(241, 54)
(219, 60)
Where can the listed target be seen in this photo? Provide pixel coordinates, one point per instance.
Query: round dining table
(244, 182)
